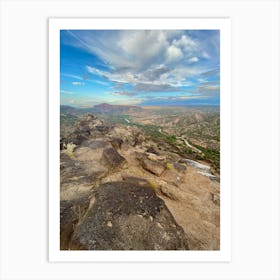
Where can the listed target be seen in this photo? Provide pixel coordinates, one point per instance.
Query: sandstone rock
(102, 129)
(116, 143)
(90, 117)
(172, 176)
(96, 144)
(87, 126)
(76, 138)
(153, 167)
(125, 216)
(136, 181)
(155, 157)
(152, 150)
(179, 167)
(196, 164)
(139, 139)
(170, 191)
(215, 198)
(113, 159)
(210, 176)
(138, 155)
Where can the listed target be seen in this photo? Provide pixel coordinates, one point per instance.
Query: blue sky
(139, 67)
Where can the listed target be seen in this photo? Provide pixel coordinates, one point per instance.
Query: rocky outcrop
(179, 167)
(154, 167)
(116, 142)
(210, 176)
(126, 216)
(71, 212)
(116, 192)
(170, 191)
(131, 135)
(113, 159)
(152, 150)
(87, 126)
(196, 164)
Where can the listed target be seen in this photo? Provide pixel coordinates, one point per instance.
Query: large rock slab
(126, 216)
(113, 159)
(153, 166)
(196, 164)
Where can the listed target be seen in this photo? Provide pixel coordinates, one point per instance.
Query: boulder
(172, 176)
(215, 198)
(153, 167)
(179, 167)
(210, 176)
(96, 143)
(116, 142)
(86, 127)
(76, 138)
(113, 159)
(103, 129)
(90, 117)
(136, 181)
(152, 150)
(195, 164)
(126, 216)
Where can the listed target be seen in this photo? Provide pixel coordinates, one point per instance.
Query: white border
(224, 254)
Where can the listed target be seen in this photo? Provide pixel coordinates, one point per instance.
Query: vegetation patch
(70, 149)
(169, 166)
(153, 184)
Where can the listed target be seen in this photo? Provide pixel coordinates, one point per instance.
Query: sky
(140, 67)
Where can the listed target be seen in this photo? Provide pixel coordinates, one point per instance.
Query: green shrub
(70, 149)
(169, 166)
(153, 184)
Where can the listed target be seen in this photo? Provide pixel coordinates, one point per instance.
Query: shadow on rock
(127, 216)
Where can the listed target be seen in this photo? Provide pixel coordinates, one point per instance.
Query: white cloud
(186, 43)
(125, 93)
(173, 53)
(77, 83)
(193, 59)
(72, 76)
(66, 92)
(155, 59)
(130, 50)
(143, 46)
(159, 78)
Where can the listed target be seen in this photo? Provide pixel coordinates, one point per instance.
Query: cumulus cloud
(155, 73)
(137, 49)
(157, 79)
(186, 43)
(147, 60)
(173, 53)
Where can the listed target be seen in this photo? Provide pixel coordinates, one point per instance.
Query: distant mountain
(100, 109)
(108, 108)
(65, 109)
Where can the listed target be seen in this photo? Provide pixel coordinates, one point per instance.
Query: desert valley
(139, 177)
